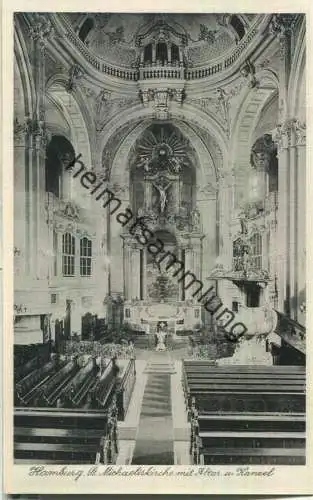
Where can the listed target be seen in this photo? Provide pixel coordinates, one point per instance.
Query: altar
(178, 316)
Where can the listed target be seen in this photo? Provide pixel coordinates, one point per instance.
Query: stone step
(158, 369)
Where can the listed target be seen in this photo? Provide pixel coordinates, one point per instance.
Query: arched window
(85, 257)
(68, 255)
(256, 251)
(59, 154)
(148, 54)
(238, 26)
(85, 29)
(174, 53)
(161, 52)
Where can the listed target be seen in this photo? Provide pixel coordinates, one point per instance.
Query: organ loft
(193, 323)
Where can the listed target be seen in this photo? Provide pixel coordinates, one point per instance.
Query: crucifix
(163, 198)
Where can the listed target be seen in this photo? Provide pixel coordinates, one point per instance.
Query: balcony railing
(155, 71)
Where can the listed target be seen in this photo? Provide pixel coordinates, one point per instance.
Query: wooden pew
(124, 390)
(245, 414)
(64, 436)
(251, 439)
(76, 390)
(29, 357)
(57, 385)
(244, 388)
(27, 386)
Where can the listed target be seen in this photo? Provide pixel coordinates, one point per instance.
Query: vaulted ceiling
(115, 37)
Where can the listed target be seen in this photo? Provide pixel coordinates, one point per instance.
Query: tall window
(68, 254)
(55, 253)
(85, 257)
(238, 248)
(256, 251)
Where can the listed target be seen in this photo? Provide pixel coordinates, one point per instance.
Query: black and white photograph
(159, 213)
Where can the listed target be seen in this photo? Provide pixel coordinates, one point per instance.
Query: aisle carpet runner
(154, 443)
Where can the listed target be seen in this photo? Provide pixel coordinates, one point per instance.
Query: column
(169, 53)
(142, 55)
(176, 195)
(293, 208)
(135, 272)
(40, 32)
(180, 283)
(148, 195)
(300, 131)
(21, 253)
(283, 216)
(144, 274)
(127, 269)
(225, 194)
(153, 53)
(197, 258)
(207, 205)
(189, 267)
(180, 55)
(281, 26)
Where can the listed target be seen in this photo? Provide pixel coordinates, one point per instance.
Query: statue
(145, 163)
(195, 217)
(176, 165)
(161, 335)
(163, 198)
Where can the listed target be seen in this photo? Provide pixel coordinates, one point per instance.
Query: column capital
(37, 130)
(225, 178)
(300, 132)
(281, 26)
(41, 30)
(20, 130)
(291, 132)
(283, 135)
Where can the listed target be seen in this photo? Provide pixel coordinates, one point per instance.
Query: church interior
(194, 126)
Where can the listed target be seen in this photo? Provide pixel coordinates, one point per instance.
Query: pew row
(78, 383)
(65, 436)
(253, 439)
(245, 414)
(243, 388)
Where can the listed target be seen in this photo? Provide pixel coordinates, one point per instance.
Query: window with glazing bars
(85, 257)
(256, 251)
(68, 255)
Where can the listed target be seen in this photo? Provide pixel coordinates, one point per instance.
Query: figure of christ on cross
(163, 198)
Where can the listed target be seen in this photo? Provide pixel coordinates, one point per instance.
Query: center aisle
(155, 436)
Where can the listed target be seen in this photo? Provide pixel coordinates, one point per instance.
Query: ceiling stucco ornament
(101, 19)
(117, 38)
(111, 147)
(105, 104)
(217, 105)
(282, 26)
(75, 74)
(248, 71)
(161, 98)
(41, 29)
(207, 190)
